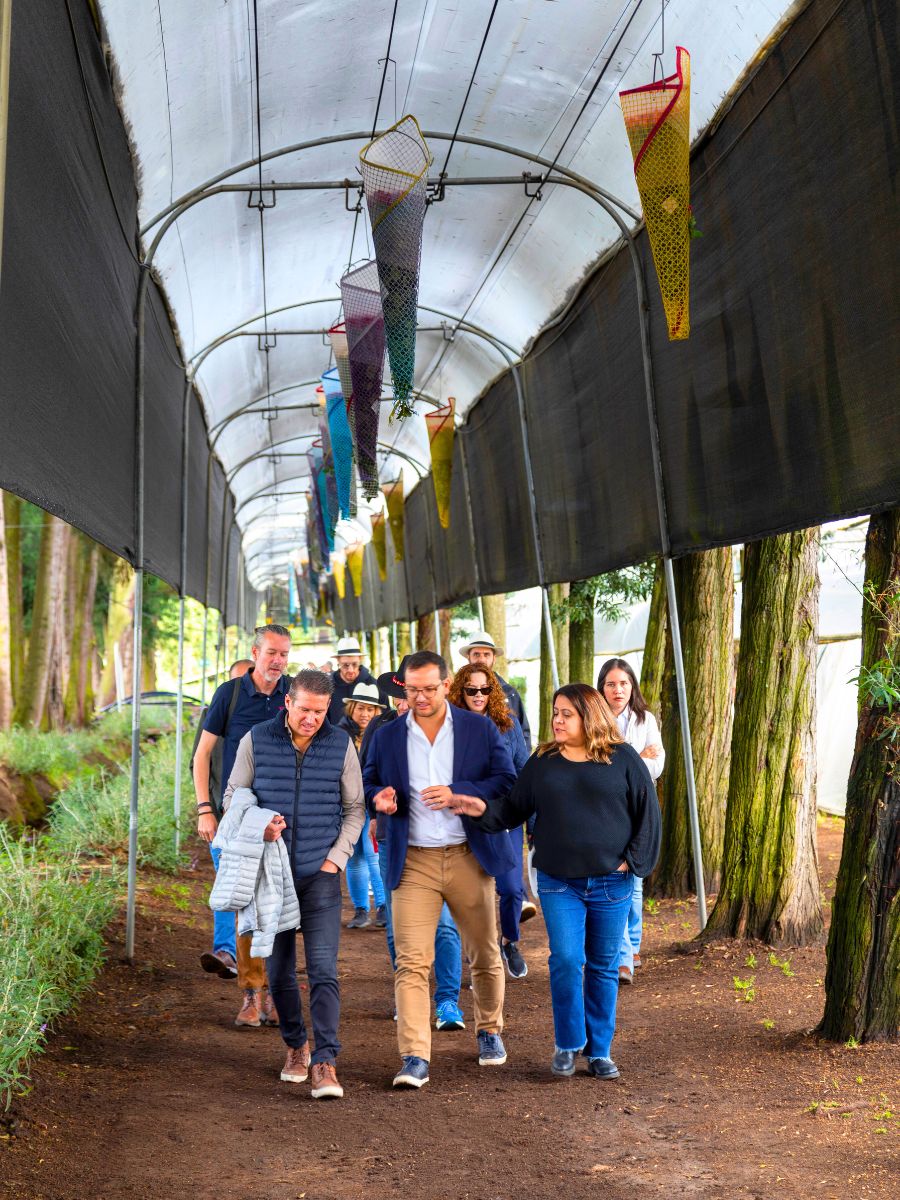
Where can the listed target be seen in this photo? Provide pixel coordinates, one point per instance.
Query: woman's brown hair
(637, 703)
(601, 730)
(497, 708)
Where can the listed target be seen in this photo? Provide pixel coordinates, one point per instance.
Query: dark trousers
(320, 916)
(511, 889)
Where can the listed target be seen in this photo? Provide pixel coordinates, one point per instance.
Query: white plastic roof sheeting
(189, 96)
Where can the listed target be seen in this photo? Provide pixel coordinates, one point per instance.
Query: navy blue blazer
(482, 767)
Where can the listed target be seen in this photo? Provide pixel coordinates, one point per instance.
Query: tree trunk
(403, 643)
(12, 517)
(6, 694)
(704, 586)
(32, 700)
(425, 632)
(444, 619)
(862, 997)
(581, 651)
(60, 610)
(118, 632)
(654, 660)
(770, 884)
(495, 624)
(558, 593)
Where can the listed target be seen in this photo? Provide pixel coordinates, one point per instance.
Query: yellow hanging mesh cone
(393, 493)
(440, 438)
(355, 554)
(340, 574)
(657, 119)
(379, 541)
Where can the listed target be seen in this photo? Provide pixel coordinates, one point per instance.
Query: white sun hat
(481, 641)
(348, 645)
(365, 693)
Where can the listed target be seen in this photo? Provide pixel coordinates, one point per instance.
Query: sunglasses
(474, 691)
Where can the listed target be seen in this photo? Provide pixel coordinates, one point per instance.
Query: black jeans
(320, 916)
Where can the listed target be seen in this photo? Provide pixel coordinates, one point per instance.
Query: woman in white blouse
(618, 685)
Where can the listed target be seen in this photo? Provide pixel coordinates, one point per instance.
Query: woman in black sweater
(597, 827)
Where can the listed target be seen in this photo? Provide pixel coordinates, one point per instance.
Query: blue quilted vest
(305, 789)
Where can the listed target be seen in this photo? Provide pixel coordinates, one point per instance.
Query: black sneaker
(563, 1062)
(603, 1068)
(360, 920)
(413, 1072)
(515, 963)
(381, 916)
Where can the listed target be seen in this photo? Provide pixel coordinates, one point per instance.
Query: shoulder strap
(232, 704)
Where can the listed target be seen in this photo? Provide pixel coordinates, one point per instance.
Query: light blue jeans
(634, 927)
(363, 869)
(447, 952)
(585, 919)
(224, 937)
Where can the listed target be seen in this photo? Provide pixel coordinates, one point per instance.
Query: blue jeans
(511, 890)
(634, 927)
(320, 913)
(363, 869)
(223, 922)
(447, 951)
(585, 919)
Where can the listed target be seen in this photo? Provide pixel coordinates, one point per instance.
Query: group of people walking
(423, 788)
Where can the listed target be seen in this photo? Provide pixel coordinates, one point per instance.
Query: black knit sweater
(589, 817)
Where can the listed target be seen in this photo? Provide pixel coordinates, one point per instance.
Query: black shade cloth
(67, 325)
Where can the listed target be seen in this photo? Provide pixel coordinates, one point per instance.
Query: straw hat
(348, 645)
(481, 641)
(365, 693)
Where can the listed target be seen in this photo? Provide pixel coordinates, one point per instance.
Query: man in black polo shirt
(260, 696)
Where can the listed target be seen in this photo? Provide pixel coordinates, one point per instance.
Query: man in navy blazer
(414, 767)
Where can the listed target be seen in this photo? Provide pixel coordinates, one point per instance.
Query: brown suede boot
(248, 1017)
(267, 1012)
(325, 1083)
(296, 1065)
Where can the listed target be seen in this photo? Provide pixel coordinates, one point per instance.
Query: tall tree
(32, 700)
(495, 624)
(403, 641)
(77, 708)
(12, 518)
(862, 981)
(6, 693)
(653, 663)
(581, 610)
(770, 885)
(559, 593)
(118, 632)
(704, 588)
(444, 621)
(425, 633)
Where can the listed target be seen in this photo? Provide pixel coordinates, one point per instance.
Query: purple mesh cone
(364, 321)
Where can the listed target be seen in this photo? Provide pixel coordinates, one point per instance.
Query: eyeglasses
(474, 691)
(430, 691)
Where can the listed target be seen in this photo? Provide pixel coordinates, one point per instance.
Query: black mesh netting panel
(69, 287)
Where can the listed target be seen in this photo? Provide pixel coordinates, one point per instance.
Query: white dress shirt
(641, 734)
(430, 765)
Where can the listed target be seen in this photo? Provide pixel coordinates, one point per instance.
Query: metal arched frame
(562, 176)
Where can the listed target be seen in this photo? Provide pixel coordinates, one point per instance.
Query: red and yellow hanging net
(440, 438)
(379, 541)
(657, 119)
(393, 494)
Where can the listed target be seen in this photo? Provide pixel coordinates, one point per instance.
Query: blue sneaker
(449, 1016)
(413, 1073)
(491, 1051)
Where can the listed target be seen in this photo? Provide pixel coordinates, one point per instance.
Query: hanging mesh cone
(338, 338)
(322, 608)
(395, 170)
(379, 541)
(313, 539)
(341, 441)
(364, 319)
(315, 458)
(440, 438)
(355, 555)
(393, 493)
(331, 488)
(657, 118)
(339, 572)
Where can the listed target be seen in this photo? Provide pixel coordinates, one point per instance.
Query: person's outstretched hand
(385, 801)
(469, 806)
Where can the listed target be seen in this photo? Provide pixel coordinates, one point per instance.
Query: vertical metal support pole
(394, 659)
(437, 630)
(203, 668)
(138, 614)
(5, 38)
(465, 472)
(179, 707)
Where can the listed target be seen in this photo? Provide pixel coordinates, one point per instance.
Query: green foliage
(608, 596)
(651, 905)
(64, 754)
(466, 611)
(784, 965)
(767, 1023)
(745, 988)
(520, 683)
(750, 961)
(31, 518)
(52, 916)
(91, 816)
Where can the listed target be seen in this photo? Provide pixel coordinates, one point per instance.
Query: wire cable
(471, 85)
(387, 59)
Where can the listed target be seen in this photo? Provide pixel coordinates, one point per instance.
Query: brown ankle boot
(296, 1065)
(267, 1012)
(248, 1017)
(325, 1083)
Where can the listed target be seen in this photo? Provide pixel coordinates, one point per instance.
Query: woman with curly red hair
(476, 687)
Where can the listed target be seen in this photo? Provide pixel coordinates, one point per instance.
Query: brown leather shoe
(248, 1017)
(267, 1012)
(625, 975)
(296, 1065)
(221, 963)
(637, 961)
(325, 1084)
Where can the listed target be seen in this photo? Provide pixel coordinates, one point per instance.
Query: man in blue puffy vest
(306, 771)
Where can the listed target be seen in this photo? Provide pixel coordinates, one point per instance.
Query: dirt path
(148, 1091)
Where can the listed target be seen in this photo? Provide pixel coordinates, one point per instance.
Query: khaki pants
(432, 875)
(251, 971)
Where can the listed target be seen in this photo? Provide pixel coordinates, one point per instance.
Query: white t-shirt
(641, 734)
